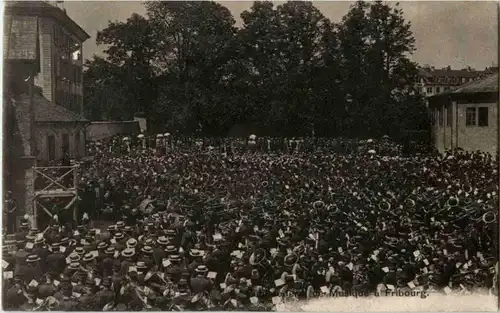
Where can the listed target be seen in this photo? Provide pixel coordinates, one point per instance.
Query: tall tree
(105, 94)
(375, 42)
(194, 41)
(132, 49)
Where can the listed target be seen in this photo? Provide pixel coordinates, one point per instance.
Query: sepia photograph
(250, 156)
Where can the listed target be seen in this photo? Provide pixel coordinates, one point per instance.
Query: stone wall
(103, 130)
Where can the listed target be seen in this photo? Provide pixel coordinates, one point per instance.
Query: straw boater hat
(109, 250)
(170, 249)
(79, 250)
(174, 258)
(88, 257)
(147, 249)
(74, 257)
(162, 240)
(159, 136)
(120, 224)
(74, 266)
(131, 243)
(128, 253)
(195, 253)
(32, 258)
(119, 236)
(170, 233)
(102, 245)
(201, 269)
(141, 265)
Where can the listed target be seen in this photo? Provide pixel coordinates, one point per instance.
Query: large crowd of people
(205, 224)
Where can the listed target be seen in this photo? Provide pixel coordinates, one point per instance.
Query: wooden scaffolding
(55, 186)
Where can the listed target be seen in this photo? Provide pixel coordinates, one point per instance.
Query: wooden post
(75, 184)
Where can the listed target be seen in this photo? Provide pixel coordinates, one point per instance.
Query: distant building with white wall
(467, 117)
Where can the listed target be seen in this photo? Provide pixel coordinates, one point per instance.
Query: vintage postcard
(250, 156)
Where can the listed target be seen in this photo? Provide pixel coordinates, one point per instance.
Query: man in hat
(159, 250)
(56, 260)
(90, 263)
(127, 260)
(105, 267)
(14, 296)
(105, 295)
(68, 302)
(199, 283)
(41, 250)
(87, 299)
(33, 270)
(197, 258)
(23, 230)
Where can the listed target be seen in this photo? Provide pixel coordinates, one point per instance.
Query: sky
(455, 33)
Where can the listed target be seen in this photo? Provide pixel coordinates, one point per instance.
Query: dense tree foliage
(287, 69)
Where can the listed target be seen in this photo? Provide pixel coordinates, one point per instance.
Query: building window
(438, 89)
(449, 115)
(482, 117)
(440, 112)
(77, 144)
(65, 144)
(429, 89)
(51, 143)
(470, 117)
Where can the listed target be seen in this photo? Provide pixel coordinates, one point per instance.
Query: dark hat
(291, 259)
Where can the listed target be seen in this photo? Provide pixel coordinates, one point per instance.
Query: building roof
(428, 72)
(484, 85)
(46, 112)
(42, 8)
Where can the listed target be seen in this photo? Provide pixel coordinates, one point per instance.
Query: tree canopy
(288, 69)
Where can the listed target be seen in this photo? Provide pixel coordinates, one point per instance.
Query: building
(42, 93)
(433, 81)
(55, 40)
(467, 117)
